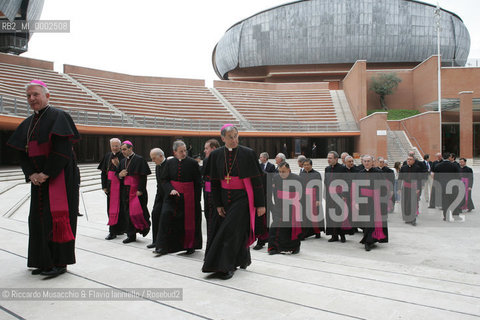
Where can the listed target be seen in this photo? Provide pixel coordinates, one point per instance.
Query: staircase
(398, 146)
(345, 118)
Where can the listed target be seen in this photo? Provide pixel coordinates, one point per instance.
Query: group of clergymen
(238, 190)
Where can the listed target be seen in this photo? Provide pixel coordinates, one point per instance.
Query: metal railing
(412, 137)
(17, 107)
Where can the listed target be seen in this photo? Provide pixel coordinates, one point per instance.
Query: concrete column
(466, 124)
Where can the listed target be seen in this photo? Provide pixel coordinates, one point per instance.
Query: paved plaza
(430, 271)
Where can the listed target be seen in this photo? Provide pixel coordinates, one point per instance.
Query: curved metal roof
(341, 31)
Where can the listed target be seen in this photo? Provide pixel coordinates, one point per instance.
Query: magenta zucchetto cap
(38, 83)
(127, 142)
(226, 126)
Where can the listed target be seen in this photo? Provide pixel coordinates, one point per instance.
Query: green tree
(383, 85)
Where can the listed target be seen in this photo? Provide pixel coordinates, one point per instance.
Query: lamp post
(439, 98)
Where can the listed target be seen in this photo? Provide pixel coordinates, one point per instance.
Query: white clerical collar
(130, 155)
(230, 149)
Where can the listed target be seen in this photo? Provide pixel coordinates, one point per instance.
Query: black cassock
(332, 209)
(466, 174)
(390, 176)
(348, 226)
(434, 191)
(230, 243)
(286, 226)
(445, 172)
(211, 215)
(375, 228)
(158, 204)
(312, 222)
(410, 179)
(52, 220)
(108, 177)
(181, 218)
(135, 211)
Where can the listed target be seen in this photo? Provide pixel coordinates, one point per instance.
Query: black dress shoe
(273, 251)
(190, 251)
(333, 239)
(297, 250)
(317, 236)
(110, 236)
(55, 271)
(342, 238)
(225, 275)
(160, 251)
(128, 240)
(151, 245)
(367, 247)
(243, 266)
(79, 215)
(258, 246)
(37, 271)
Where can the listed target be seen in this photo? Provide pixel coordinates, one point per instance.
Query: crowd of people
(245, 198)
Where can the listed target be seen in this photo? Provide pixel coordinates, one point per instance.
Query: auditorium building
(295, 74)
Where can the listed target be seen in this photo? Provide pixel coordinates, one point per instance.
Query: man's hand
(115, 162)
(123, 173)
(105, 190)
(221, 211)
(139, 193)
(174, 193)
(42, 177)
(261, 211)
(34, 179)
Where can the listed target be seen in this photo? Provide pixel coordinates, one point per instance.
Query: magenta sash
(57, 194)
(412, 186)
(312, 193)
(236, 183)
(375, 194)
(466, 183)
(296, 225)
(134, 206)
(188, 191)
(35, 149)
(114, 204)
(208, 186)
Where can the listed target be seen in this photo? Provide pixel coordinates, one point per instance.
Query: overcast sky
(166, 38)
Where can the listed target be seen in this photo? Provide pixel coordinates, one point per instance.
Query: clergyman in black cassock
(237, 193)
(410, 179)
(133, 171)
(44, 141)
(375, 229)
(286, 226)
(445, 172)
(333, 210)
(181, 218)
(261, 222)
(312, 222)
(466, 175)
(158, 156)
(111, 186)
(435, 190)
